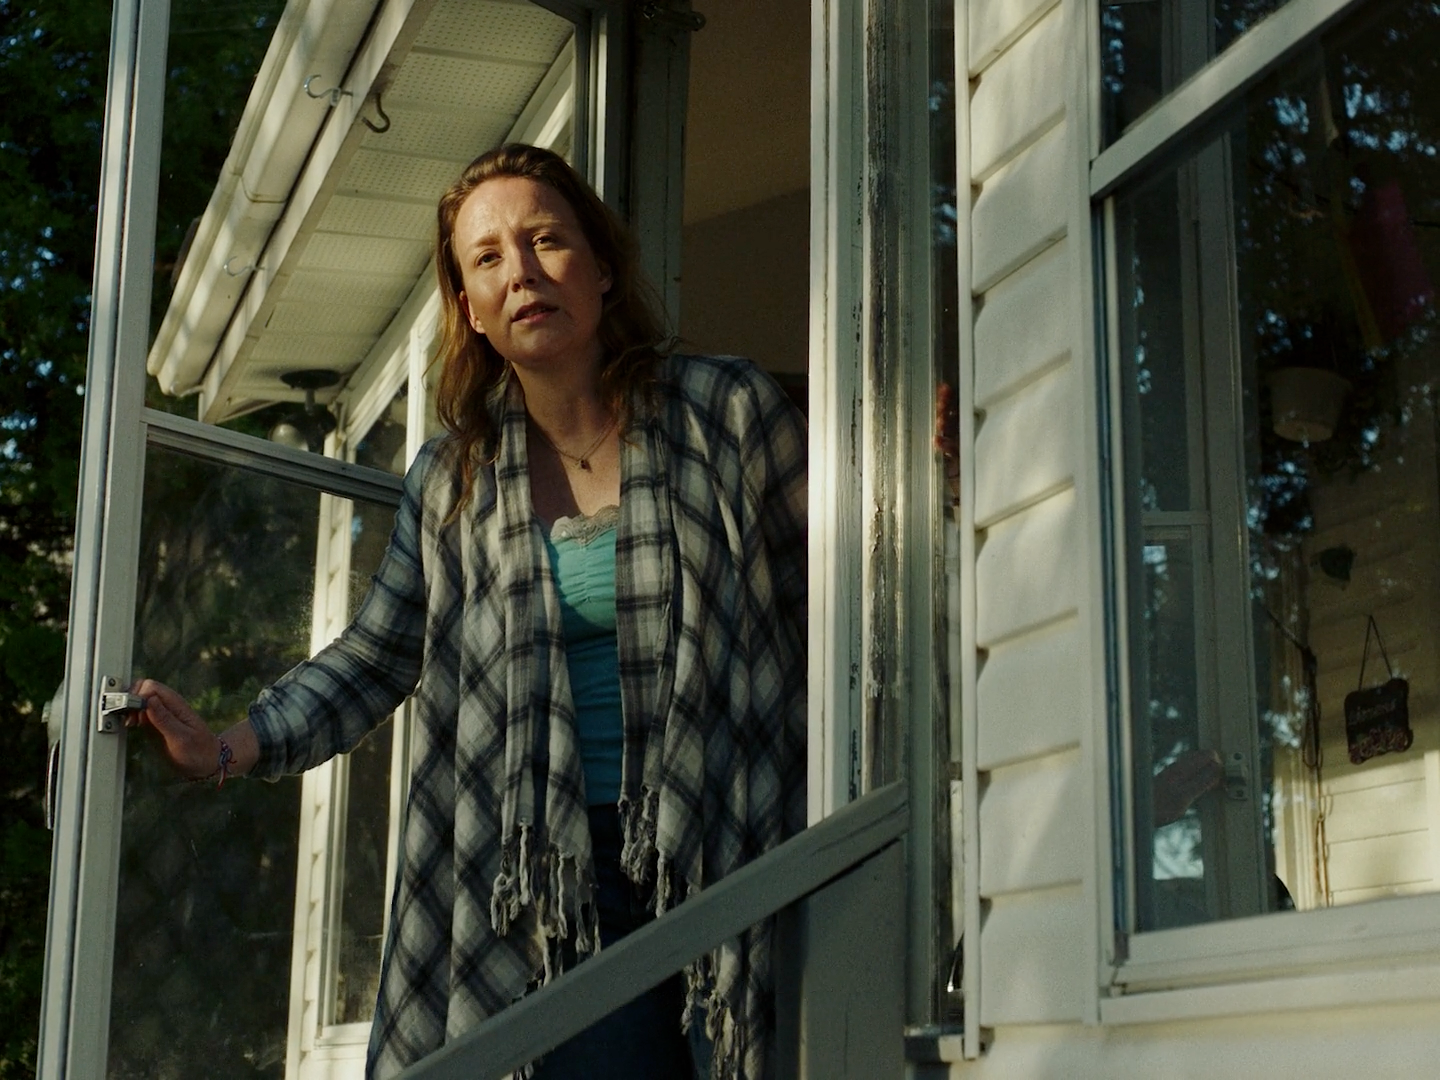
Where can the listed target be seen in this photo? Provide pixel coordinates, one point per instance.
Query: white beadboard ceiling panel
(425, 129)
(310, 317)
(365, 216)
(452, 82)
(505, 31)
(338, 251)
(282, 351)
(397, 176)
(341, 289)
(453, 86)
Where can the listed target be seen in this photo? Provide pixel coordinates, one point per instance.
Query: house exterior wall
(1033, 671)
(1398, 1039)
(1050, 994)
(1382, 821)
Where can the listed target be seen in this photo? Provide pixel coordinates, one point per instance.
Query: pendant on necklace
(584, 463)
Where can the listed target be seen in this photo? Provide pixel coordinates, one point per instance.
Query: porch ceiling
(337, 256)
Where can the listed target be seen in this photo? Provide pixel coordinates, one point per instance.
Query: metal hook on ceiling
(379, 108)
(334, 94)
(250, 269)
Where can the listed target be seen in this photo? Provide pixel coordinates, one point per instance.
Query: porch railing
(838, 888)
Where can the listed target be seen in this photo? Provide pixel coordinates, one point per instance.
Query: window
(1276, 359)
(1149, 47)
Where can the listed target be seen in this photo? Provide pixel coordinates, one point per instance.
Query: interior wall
(745, 278)
(745, 244)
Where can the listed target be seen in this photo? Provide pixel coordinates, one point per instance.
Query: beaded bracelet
(222, 770)
(227, 756)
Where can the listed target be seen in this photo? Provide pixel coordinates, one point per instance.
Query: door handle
(114, 703)
(50, 717)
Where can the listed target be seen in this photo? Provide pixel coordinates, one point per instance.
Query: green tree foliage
(52, 80)
(53, 60)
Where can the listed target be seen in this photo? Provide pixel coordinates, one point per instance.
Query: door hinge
(114, 702)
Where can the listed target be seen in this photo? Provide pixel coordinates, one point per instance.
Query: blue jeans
(641, 1040)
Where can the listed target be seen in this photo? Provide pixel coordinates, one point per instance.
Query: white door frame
(80, 935)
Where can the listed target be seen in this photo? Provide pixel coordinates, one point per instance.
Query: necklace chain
(582, 460)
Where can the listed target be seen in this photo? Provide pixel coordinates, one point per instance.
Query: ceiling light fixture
(307, 428)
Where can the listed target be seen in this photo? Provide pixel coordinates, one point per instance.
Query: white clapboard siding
(996, 24)
(1379, 862)
(1022, 209)
(1033, 949)
(1031, 836)
(1337, 633)
(1032, 695)
(1398, 1040)
(1018, 97)
(1359, 896)
(1026, 445)
(1382, 773)
(1024, 326)
(1396, 806)
(1027, 572)
(1382, 816)
(1381, 830)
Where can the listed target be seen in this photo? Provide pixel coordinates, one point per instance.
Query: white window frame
(1339, 956)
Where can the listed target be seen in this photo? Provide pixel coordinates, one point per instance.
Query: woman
(595, 592)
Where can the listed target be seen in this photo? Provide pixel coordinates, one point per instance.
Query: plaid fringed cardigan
(710, 610)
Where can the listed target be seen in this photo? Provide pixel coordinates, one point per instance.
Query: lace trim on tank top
(583, 529)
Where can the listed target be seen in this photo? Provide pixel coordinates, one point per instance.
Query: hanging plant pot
(1305, 403)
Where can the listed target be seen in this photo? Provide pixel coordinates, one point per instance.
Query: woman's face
(532, 283)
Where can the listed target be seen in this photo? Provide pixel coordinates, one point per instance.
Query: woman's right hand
(189, 743)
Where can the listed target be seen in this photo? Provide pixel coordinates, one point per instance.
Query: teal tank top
(582, 557)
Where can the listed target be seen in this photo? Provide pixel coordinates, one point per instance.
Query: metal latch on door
(1237, 776)
(115, 702)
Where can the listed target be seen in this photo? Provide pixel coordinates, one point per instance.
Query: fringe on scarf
(564, 909)
(641, 862)
(721, 1016)
(564, 914)
(566, 903)
(637, 835)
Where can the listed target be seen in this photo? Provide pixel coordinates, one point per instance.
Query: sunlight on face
(532, 283)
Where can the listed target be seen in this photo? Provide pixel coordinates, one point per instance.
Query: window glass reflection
(1279, 361)
(205, 908)
(1149, 47)
(945, 369)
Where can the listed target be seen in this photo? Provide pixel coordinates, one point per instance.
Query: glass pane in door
(225, 604)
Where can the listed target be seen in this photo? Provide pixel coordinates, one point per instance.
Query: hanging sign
(1377, 718)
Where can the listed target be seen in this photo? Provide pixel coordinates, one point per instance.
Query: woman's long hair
(632, 339)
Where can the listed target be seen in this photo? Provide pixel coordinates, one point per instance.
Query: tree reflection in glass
(1277, 349)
